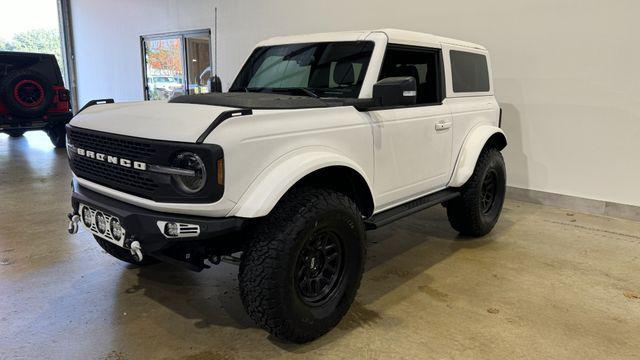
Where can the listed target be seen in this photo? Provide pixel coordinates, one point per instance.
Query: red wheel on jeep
(28, 93)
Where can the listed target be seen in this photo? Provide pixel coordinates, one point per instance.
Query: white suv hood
(150, 119)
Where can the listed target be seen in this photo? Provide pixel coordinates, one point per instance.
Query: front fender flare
(471, 149)
(274, 181)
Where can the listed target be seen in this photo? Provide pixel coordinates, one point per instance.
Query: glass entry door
(176, 64)
(198, 52)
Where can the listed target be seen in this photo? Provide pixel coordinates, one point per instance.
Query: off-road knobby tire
(267, 287)
(58, 135)
(464, 212)
(123, 254)
(15, 133)
(8, 84)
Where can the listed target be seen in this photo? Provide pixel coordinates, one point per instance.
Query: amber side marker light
(220, 175)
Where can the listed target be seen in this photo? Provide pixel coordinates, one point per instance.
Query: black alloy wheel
(319, 267)
(488, 191)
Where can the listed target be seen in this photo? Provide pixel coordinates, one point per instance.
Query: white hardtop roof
(395, 36)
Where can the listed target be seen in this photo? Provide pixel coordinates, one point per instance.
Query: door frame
(174, 34)
(384, 199)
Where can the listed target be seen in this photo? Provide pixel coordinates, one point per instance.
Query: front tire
(477, 210)
(303, 264)
(123, 254)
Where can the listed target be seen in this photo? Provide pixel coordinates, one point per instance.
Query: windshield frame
(244, 77)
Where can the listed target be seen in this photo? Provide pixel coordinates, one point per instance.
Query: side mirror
(215, 85)
(395, 91)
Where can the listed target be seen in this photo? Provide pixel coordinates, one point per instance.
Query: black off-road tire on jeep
(26, 93)
(477, 210)
(15, 133)
(58, 135)
(123, 254)
(311, 234)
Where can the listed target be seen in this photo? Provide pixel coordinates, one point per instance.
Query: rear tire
(303, 264)
(477, 210)
(58, 135)
(26, 93)
(123, 254)
(15, 133)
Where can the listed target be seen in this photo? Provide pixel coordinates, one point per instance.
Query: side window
(421, 63)
(469, 71)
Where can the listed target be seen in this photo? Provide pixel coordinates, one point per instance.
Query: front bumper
(142, 224)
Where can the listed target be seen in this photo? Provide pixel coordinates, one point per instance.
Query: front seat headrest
(343, 73)
(407, 70)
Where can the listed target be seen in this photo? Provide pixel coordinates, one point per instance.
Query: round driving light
(190, 184)
(101, 223)
(87, 220)
(116, 229)
(171, 229)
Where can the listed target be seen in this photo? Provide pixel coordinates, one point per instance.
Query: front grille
(101, 172)
(127, 148)
(129, 180)
(143, 183)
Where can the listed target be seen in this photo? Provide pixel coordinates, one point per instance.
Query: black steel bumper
(141, 224)
(8, 122)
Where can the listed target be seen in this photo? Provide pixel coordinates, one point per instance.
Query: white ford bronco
(319, 138)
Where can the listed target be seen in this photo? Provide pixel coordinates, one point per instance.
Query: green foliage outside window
(37, 40)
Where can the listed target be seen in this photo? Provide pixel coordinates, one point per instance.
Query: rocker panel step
(388, 216)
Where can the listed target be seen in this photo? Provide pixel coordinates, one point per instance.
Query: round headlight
(101, 223)
(116, 229)
(87, 220)
(187, 183)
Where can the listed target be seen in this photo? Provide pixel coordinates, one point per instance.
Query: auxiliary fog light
(101, 223)
(87, 220)
(171, 229)
(116, 229)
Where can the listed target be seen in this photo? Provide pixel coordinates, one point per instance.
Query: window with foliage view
(31, 26)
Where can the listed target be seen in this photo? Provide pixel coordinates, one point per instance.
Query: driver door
(412, 145)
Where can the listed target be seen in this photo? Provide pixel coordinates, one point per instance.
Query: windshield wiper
(308, 92)
(245, 89)
(302, 90)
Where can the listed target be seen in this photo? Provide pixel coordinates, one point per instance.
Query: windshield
(334, 69)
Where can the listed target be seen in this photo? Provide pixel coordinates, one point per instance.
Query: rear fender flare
(471, 149)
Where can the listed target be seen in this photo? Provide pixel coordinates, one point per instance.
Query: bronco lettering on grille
(138, 165)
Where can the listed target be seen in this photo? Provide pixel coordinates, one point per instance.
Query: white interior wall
(565, 72)
(107, 41)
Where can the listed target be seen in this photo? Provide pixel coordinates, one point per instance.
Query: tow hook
(229, 259)
(136, 250)
(73, 223)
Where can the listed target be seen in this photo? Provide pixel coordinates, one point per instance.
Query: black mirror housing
(215, 84)
(395, 91)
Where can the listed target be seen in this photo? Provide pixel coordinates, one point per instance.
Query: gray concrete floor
(547, 283)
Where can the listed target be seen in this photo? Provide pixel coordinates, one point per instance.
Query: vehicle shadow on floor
(211, 297)
(397, 254)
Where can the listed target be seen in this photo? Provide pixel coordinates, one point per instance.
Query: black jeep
(33, 96)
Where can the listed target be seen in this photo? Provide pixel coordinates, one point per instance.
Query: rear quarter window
(469, 71)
